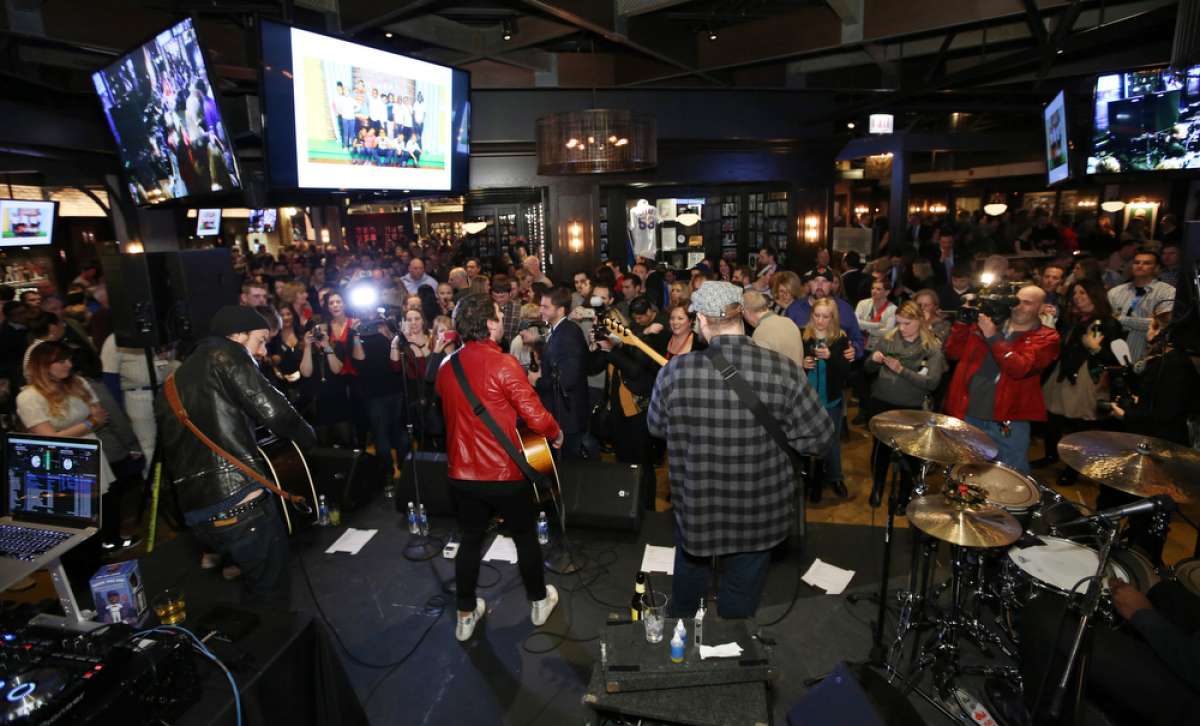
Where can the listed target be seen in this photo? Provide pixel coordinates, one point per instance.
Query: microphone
(1157, 503)
(1120, 350)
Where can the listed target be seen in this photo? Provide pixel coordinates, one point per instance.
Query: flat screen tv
(25, 223)
(1058, 153)
(345, 116)
(263, 220)
(170, 135)
(208, 222)
(1146, 120)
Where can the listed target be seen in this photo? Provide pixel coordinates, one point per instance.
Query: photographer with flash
(997, 385)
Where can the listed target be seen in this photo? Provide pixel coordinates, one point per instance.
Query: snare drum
(1187, 574)
(1056, 567)
(1006, 488)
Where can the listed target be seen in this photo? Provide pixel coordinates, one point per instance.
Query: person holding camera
(1071, 391)
(337, 345)
(997, 383)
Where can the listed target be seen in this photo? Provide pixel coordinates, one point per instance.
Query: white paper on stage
(352, 540)
(659, 559)
(833, 580)
(503, 549)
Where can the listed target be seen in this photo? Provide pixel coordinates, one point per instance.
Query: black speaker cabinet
(163, 297)
(601, 495)
(429, 469)
(854, 695)
(349, 477)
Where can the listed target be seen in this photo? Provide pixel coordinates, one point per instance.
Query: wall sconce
(811, 231)
(575, 236)
(1112, 206)
(937, 208)
(687, 219)
(1142, 206)
(325, 236)
(861, 209)
(1085, 204)
(134, 247)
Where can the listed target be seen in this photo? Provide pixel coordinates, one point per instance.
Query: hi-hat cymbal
(1139, 465)
(933, 436)
(980, 525)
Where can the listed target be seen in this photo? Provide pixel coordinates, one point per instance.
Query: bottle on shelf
(543, 529)
(635, 604)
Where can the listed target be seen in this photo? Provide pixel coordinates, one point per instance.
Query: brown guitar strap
(172, 396)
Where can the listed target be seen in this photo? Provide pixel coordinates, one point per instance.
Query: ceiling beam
(403, 10)
(572, 12)
(1062, 29)
(850, 11)
(938, 60)
(1037, 26)
(531, 31)
(474, 42)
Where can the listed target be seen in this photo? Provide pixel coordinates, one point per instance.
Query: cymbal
(1139, 465)
(933, 436)
(982, 525)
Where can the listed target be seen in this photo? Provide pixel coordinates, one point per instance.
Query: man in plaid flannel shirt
(731, 484)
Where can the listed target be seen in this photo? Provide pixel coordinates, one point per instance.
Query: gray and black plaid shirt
(731, 484)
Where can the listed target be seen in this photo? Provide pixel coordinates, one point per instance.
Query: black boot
(876, 497)
(814, 493)
(839, 488)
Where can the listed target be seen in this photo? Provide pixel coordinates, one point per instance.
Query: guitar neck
(640, 344)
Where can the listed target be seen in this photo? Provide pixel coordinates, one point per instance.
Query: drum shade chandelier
(596, 141)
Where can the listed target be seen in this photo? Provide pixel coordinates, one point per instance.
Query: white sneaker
(466, 626)
(540, 612)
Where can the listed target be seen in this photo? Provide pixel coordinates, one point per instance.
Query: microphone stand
(420, 546)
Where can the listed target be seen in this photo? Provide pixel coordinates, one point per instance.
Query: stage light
(388, 35)
(508, 29)
(363, 296)
(987, 278)
(712, 35)
(849, 124)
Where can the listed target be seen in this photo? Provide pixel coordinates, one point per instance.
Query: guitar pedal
(450, 551)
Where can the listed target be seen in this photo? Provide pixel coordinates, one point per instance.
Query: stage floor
(512, 673)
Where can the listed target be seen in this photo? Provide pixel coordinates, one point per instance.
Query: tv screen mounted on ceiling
(1058, 152)
(1146, 120)
(164, 115)
(345, 116)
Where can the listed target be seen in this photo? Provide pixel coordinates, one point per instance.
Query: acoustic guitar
(540, 456)
(611, 326)
(288, 469)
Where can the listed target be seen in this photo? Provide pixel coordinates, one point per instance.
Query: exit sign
(881, 123)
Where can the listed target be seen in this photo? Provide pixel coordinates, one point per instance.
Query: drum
(1187, 574)
(1056, 566)
(1052, 511)
(1006, 488)
(1141, 571)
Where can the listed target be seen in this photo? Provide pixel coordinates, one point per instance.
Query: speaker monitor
(603, 495)
(431, 471)
(348, 477)
(857, 696)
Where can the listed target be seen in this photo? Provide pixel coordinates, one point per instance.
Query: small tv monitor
(346, 116)
(162, 111)
(1146, 120)
(208, 222)
(263, 220)
(25, 223)
(1058, 152)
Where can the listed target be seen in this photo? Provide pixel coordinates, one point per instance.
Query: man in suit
(562, 380)
(947, 254)
(856, 284)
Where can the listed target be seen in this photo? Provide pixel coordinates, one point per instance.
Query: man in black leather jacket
(226, 397)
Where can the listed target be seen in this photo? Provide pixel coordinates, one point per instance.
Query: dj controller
(108, 676)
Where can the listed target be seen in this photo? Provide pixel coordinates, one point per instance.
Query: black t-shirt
(375, 375)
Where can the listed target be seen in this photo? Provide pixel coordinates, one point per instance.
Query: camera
(995, 301)
(1118, 389)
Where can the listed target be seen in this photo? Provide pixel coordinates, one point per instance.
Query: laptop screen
(53, 480)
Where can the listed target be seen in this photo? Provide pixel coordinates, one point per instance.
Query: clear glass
(654, 614)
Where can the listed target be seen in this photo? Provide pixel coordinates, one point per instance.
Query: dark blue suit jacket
(563, 386)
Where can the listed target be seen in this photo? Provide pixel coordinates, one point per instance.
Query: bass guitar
(611, 326)
(288, 469)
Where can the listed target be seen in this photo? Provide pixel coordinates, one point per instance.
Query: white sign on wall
(881, 123)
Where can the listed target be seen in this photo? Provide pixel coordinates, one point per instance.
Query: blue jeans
(743, 575)
(348, 130)
(257, 543)
(1014, 448)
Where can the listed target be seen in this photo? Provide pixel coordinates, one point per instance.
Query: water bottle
(412, 519)
(322, 511)
(543, 529)
(423, 520)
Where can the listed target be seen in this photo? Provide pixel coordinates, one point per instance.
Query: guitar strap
(481, 411)
(750, 400)
(172, 395)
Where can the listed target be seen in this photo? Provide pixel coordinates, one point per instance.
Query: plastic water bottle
(423, 521)
(322, 511)
(543, 529)
(413, 527)
(698, 629)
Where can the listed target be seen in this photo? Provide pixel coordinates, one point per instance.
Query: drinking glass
(654, 613)
(170, 607)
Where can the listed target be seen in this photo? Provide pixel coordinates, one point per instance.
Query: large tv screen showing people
(1146, 120)
(24, 223)
(346, 116)
(1058, 166)
(164, 115)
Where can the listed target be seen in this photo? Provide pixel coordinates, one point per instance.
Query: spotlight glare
(364, 297)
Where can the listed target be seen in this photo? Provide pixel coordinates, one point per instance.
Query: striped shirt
(731, 484)
(1134, 308)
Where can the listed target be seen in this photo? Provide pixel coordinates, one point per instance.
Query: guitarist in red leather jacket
(483, 478)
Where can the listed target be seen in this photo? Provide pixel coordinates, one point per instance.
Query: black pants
(476, 502)
(1125, 678)
(881, 455)
(1059, 426)
(632, 445)
(257, 543)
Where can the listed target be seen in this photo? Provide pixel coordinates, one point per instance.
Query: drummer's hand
(878, 357)
(986, 326)
(1128, 600)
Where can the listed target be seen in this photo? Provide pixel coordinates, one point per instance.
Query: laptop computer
(51, 501)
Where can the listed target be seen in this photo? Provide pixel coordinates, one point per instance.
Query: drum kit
(1012, 540)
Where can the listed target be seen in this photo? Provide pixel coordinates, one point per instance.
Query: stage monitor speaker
(602, 495)
(348, 477)
(858, 696)
(432, 473)
(164, 297)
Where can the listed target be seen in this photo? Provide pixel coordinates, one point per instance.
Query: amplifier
(431, 470)
(349, 477)
(602, 495)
